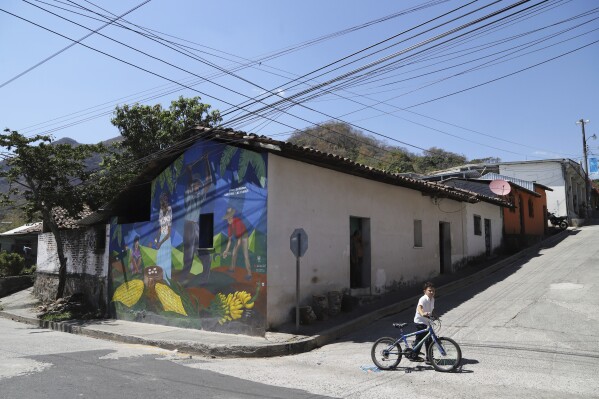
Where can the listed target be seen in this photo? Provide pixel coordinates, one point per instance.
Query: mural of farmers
(238, 230)
(194, 197)
(163, 242)
(183, 267)
(136, 262)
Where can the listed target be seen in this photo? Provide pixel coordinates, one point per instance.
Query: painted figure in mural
(135, 260)
(195, 195)
(356, 257)
(238, 230)
(120, 258)
(163, 242)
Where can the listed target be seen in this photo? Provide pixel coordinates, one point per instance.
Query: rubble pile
(71, 307)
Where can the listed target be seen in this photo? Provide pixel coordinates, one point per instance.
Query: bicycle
(444, 353)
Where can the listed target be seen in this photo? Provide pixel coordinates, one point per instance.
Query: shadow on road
(460, 293)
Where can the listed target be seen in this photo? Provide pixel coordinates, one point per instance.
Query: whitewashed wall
(551, 174)
(321, 201)
(475, 244)
(80, 250)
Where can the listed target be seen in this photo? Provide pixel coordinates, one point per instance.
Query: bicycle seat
(398, 325)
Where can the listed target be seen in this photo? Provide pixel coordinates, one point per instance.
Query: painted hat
(229, 214)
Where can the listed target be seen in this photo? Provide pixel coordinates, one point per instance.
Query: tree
(437, 159)
(400, 161)
(11, 218)
(43, 177)
(146, 130)
(341, 139)
(487, 160)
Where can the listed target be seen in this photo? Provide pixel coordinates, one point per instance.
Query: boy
(425, 307)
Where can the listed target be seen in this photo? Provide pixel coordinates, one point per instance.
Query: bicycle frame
(430, 333)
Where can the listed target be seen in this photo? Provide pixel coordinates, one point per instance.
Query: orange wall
(534, 225)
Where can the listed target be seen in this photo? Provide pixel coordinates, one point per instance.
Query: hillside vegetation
(343, 140)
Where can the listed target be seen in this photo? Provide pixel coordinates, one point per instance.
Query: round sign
(298, 242)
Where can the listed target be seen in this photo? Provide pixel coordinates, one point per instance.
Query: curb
(282, 348)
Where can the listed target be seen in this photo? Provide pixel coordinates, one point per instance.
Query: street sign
(298, 242)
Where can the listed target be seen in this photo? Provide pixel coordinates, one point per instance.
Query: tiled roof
(529, 185)
(480, 187)
(138, 192)
(64, 221)
(335, 162)
(29, 228)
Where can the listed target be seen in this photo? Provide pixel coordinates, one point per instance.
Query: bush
(29, 270)
(11, 264)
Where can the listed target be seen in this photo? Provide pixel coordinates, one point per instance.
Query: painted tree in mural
(145, 130)
(246, 159)
(43, 177)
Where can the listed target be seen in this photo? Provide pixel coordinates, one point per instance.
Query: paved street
(527, 330)
(42, 364)
(516, 330)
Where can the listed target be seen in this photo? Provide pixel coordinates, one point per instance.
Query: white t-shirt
(165, 218)
(428, 304)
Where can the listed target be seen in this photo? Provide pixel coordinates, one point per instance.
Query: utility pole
(583, 122)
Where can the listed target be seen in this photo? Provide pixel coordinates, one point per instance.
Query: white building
(411, 229)
(565, 177)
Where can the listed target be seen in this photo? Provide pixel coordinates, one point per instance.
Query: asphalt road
(37, 363)
(529, 330)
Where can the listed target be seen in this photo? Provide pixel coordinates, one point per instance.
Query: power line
(279, 52)
(278, 111)
(254, 112)
(505, 76)
(71, 45)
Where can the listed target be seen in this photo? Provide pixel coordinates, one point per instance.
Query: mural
(200, 262)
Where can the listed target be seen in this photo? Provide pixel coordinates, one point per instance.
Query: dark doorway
(359, 259)
(444, 247)
(521, 206)
(488, 237)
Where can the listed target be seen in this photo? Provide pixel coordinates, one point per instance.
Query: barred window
(477, 225)
(417, 233)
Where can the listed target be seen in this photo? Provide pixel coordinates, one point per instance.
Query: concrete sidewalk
(21, 307)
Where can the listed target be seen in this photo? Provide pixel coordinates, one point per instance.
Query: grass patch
(62, 316)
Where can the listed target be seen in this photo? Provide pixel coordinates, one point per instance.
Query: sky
(472, 78)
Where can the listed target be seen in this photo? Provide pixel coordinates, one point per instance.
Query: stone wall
(87, 265)
(93, 288)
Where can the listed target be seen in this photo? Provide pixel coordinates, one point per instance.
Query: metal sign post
(299, 244)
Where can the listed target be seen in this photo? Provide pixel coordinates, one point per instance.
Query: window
(417, 233)
(531, 209)
(477, 226)
(99, 242)
(206, 230)
(512, 199)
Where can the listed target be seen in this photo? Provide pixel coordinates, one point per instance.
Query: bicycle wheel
(452, 358)
(385, 353)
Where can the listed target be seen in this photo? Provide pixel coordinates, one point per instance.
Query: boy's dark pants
(427, 343)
